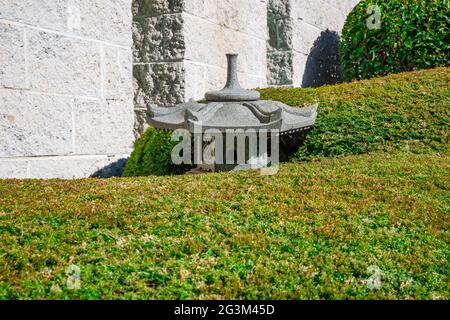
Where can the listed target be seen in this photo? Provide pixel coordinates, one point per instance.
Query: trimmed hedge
(151, 155)
(405, 111)
(413, 35)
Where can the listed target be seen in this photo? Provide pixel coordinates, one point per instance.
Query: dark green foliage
(405, 111)
(413, 35)
(151, 155)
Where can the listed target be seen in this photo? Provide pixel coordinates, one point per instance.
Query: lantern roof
(234, 108)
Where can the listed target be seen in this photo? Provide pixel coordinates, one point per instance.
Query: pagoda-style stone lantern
(236, 109)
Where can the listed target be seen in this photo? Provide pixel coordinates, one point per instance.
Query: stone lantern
(234, 109)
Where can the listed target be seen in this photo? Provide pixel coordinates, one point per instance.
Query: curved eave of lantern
(233, 108)
(222, 116)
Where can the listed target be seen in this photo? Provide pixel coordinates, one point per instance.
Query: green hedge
(151, 155)
(413, 35)
(408, 110)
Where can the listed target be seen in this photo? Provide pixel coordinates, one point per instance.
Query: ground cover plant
(407, 111)
(311, 231)
(319, 229)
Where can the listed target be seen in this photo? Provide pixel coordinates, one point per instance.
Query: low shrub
(312, 231)
(395, 36)
(151, 155)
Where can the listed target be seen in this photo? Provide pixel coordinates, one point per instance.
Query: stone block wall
(158, 51)
(180, 45)
(303, 41)
(66, 107)
(213, 28)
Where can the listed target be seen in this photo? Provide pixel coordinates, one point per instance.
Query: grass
(408, 111)
(315, 230)
(311, 231)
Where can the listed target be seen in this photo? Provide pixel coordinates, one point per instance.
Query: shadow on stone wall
(323, 65)
(114, 169)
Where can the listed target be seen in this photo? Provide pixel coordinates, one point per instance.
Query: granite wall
(303, 41)
(180, 45)
(66, 106)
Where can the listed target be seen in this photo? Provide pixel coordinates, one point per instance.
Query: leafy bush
(413, 35)
(405, 111)
(151, 155)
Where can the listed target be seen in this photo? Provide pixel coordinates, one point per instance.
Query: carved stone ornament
(234, 108)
